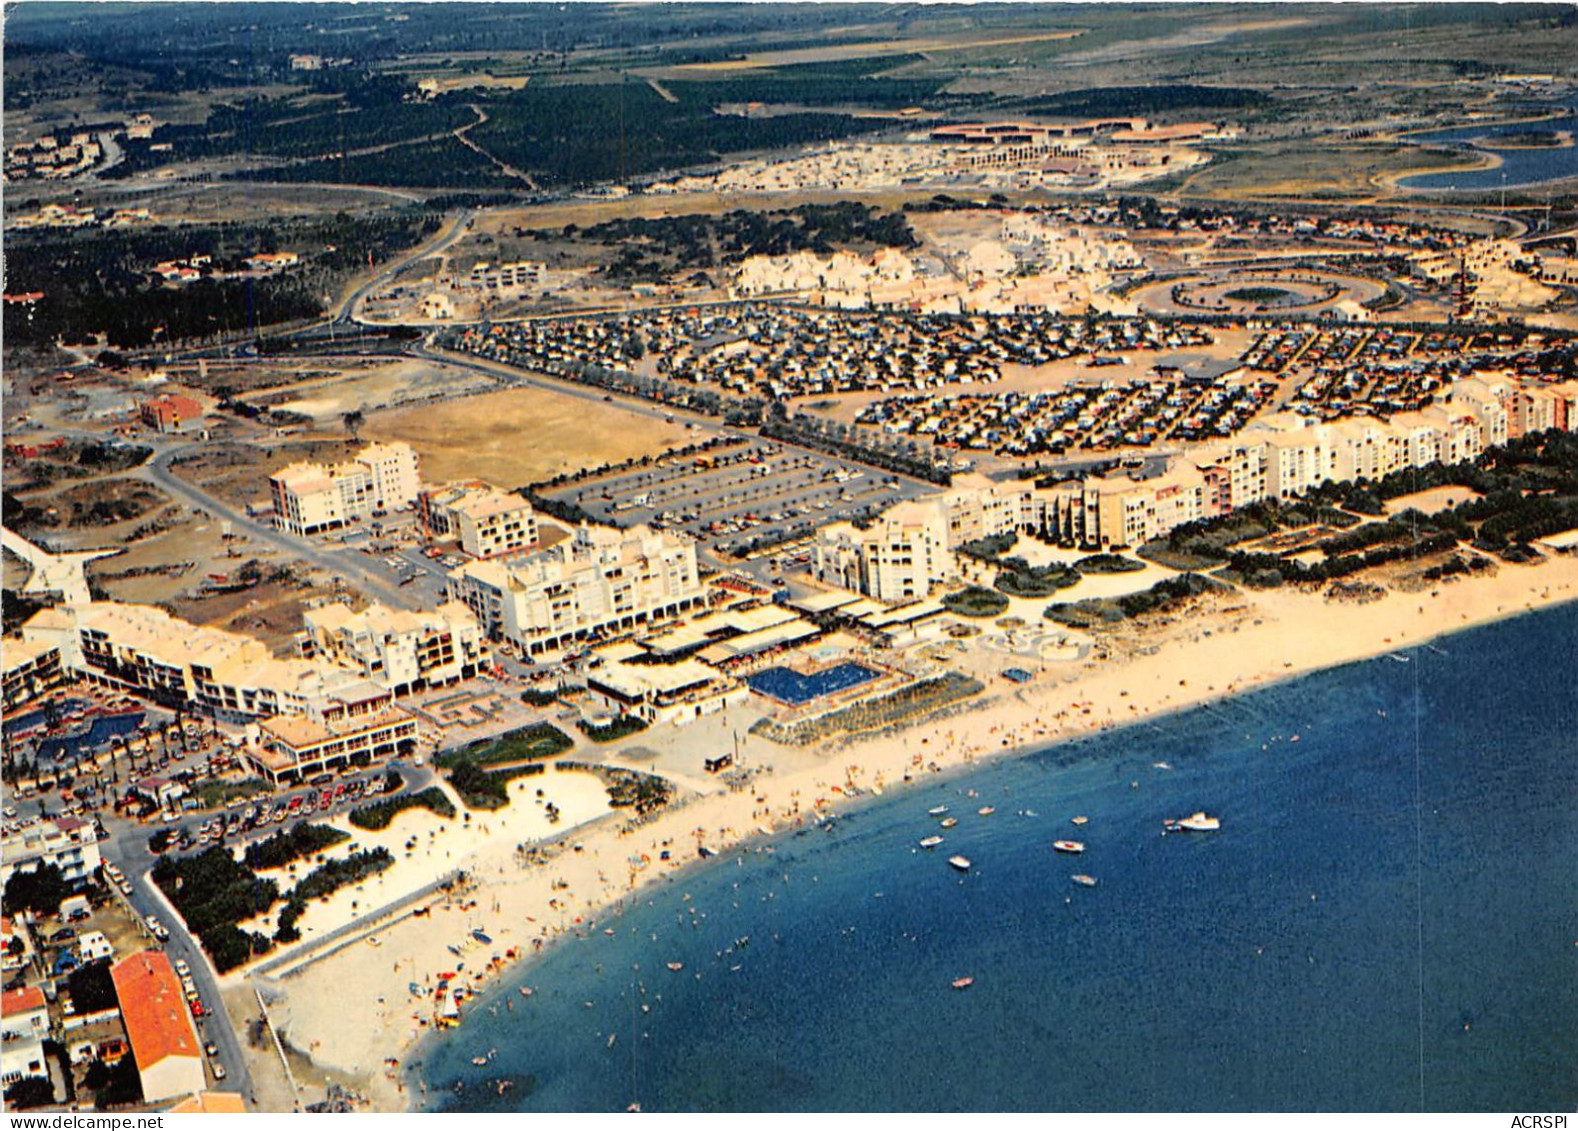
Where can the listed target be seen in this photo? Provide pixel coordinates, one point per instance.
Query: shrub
(975, 601)
(380, 813)
(305, 839)
(539, 740)
(611, 731)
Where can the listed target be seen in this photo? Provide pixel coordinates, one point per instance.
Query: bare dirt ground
(1429, 502)
(238, 473)
(364, 387)
(270, 611)
(519, 436)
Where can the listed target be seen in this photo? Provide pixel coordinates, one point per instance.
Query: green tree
(39, 890)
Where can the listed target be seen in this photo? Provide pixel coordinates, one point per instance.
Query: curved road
(350, 564)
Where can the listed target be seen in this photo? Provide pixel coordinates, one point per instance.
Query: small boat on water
(676, 966)
(1073, 847)
(481, 938)
(960, 862)
(1081, 820)
(948, 822)
(525, 991)
(937, 811)
(963, 983)
(1197, 823)
(1084, 881)
(931, 842)
(986, 810)
(1161, 765)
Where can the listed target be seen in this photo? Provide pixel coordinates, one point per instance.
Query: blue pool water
(1386, 921)
(789, 686)
(98, 732)
(29, 720)
(1518, 166)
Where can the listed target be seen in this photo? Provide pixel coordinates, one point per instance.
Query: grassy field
(520, 436)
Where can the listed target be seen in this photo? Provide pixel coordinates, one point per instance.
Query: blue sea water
(1518, 166)
(1387, 920)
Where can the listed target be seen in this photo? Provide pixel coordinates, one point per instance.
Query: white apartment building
(507, 280)
(1299, 454)
(898, 559)
(69, 843)
(314, 497)
(403, 651)
(24, 1026)
(488, 523)
(601, 580)
(1491, 403)
(146, 651)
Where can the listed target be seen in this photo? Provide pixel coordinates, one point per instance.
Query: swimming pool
(789, 686)
(100, 731)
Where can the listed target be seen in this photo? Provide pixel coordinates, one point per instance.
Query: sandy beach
(354, 1014)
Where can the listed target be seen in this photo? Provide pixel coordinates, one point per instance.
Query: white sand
(442, 845)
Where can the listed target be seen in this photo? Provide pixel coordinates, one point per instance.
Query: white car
(182, 969)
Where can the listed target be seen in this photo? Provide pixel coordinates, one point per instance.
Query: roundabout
(1244, 293)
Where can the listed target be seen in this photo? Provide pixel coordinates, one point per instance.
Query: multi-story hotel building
(601, 580)
(144, 650)
(395, 648)
(487, 522)
(314, 497)
(31, 668)
(899, 558)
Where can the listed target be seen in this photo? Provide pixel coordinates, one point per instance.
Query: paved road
(457, 227)
(356, 568)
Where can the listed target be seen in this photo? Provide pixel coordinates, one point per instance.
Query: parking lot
(257, 815)
(760, 494)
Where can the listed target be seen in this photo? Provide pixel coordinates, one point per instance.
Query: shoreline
(1247, 640)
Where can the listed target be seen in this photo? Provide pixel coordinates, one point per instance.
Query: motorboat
(937, 811)
(931, 842)
(1073, 847)
(948, 822)
(960, 862)
(1196, 823)
(963, 983)
(1081, 820)
(986, 810)
(1084, 881)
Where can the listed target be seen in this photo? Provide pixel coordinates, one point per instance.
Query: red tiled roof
(154, 1009)
(211, 1103)
(24, 1000)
